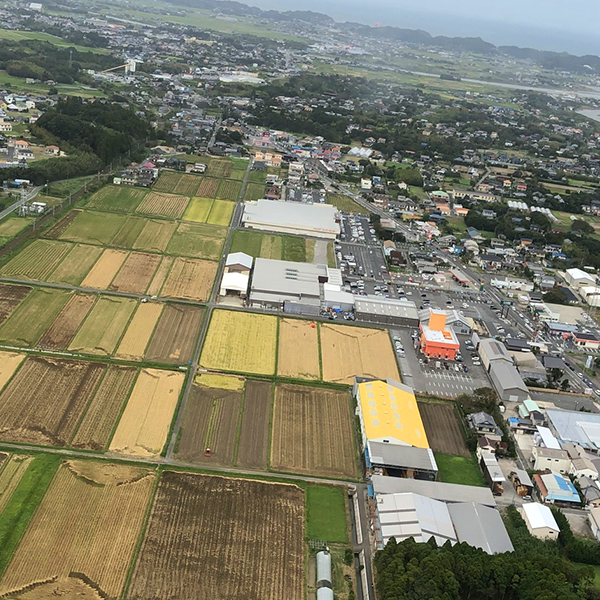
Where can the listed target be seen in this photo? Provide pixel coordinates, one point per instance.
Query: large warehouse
(313, 220)
(387, 311)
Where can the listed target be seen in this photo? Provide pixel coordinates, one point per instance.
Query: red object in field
(313, 325)
(208, 452)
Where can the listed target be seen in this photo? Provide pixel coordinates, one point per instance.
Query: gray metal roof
(493, 350)
(447, 492)
(506, 377)
(576, 426)
(386, 306)
(287, 279)
(400, 456)
(481, 527)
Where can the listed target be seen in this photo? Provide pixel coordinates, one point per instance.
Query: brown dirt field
(247, 547)
(101, 417)
(138, 334)
(136, 273)
(253, 445)
(63, 329)
(160, 276)
(165, 205)
(210, 421)
(9, 363)
(313, 432)
(55, 232)
(10, 297)
(348, 352)
(208, 188)
(298, 355)
(442, 429)
(190, 279)
(145, 423)
(104, 271)
(43, 403)
(84, 531)
(176, 334)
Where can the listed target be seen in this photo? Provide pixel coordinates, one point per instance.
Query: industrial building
(554, 488)
(577, 278)
(491, 350)
(540, 521)
(275, 282)
(507, 382)
(386, 311)
(297, 218)
(388, 413)
(236, 275)
(574, 426)
(437, 340)
(398, 460)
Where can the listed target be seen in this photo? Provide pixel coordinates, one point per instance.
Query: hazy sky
(562, 25)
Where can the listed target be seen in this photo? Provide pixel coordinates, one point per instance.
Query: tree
(582, 226)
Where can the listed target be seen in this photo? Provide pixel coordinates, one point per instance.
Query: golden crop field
(144, 426)
(105, 269)
(138, 334)
(84, 530)
(298, 355)
(356, 351)
(242, 342)
(9, 363)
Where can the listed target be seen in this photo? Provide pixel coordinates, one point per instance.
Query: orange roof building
(437, 340)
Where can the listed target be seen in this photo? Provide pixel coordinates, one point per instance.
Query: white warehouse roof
(539, 515)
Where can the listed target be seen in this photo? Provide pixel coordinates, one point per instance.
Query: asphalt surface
(29, 196)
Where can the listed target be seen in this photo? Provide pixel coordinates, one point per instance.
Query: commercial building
(574, 426)
(313, 220)
(398, 460)
(540, 521)
(236, 275)
(386, 311)
(437, 340)
(585, 340)
(577, 278)
(491, 350)
(388, 413)
(550, 459)
(556, 489)
(507, 382)
(275, 282)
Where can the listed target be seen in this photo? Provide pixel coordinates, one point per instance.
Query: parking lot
(358, 228)
(361, 261)
(300, 194)
(428, 378)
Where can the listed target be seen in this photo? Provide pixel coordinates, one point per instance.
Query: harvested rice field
(9, 363)
(298, 349)
(190, 279)
(98, 424)
(44, 401)
(208, 188)
(145, 423)
(135, 341)
(10, 297)
(197, 241)
(175, 335)
(66, 324)
(241, 342)
(167, 181)
(105, 269)
(103, 328)
(37, 260)
(155, 235)
(136, 273)
(69, 548)
(117, 198)
(159, 277)
(76, 265)
(229, 189)
(187, 185)
(164, 205)
(253, 445)
(356, 351)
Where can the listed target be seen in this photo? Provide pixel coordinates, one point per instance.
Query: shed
(234, 282)
(323, 569)
(540, 521)
(324, 594)
(239, 262)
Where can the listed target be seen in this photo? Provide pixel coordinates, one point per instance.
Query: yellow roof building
(389, 412)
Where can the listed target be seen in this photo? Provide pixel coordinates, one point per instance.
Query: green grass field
(104, 326)
(33, 316)
(22, 504)
(18, 36)
(294, 249)
(326, 514)
(268, 245)
(237, 174)
(346, 204)
(11, 226)
(120, 199)
(257, 177)
(61, 189)
(95, 227)
(254, 191)
(76, 265)
(458, 469)
(197, 241)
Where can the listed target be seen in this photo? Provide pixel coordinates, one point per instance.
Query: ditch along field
(211, 421)
(117, 198)
(351, 351)
(251, 546)
(46, 398)
(163, 205)
(69, 548)
(146, 420)
(241, 342)
(442, 428)
(298, 355)
(313, 432)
